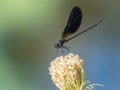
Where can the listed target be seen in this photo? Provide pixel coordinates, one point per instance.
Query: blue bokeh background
(30, 28)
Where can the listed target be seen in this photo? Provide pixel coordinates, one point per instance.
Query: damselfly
(72, 26)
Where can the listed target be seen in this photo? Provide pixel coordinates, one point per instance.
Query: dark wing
(73, 23)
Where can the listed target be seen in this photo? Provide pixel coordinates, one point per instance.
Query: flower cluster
(68, 74)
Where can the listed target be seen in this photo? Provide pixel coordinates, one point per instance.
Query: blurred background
(30, 28)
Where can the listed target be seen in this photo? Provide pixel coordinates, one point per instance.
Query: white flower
(67, 72)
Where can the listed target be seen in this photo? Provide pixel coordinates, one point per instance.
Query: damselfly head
(59, 44)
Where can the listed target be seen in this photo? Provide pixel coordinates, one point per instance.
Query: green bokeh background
(30, 28)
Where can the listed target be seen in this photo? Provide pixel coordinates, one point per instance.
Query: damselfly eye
(56, 45)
